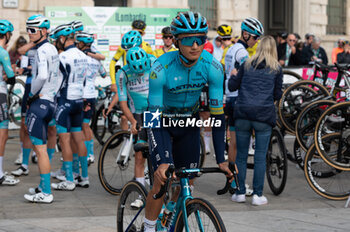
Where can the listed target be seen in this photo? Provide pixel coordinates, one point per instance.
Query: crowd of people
(186, 76)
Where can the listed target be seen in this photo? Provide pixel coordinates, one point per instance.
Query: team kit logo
(154, 120)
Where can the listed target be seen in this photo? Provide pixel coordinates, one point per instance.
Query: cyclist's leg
(89, 142)
(39, 115)
(139, 159)
(243, 133)
(76, 171)
(51, 141)
(160, 143)
(124, 123)
(262, 137)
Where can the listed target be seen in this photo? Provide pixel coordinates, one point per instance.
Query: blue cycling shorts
(69, 115)
(175, 145)
(88, 114)
(24, 99)
(39, 114)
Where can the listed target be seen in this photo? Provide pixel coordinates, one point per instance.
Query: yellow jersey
(224, 54)
(252, 50)
(122, 53)
(158, 52)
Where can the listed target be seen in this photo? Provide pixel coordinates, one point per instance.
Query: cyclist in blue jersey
(84, 41)
(70, 105)
(176, 82)
(133, 85)
(6, 29)
(41, 102)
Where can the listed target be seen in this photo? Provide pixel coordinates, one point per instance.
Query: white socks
(1, 171)
(141, 180)
(150, 226)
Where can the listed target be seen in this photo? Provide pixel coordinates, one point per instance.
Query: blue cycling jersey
(176, 88)
(5, 65)
(133, 87)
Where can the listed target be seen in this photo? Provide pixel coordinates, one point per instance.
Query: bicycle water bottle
(127, 147)
(168, 214)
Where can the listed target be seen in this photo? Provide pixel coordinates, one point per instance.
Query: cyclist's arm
(25, 48)
(6, 64)
(216, 78)
(126, 111)
(235, 81)
(42, 74)
(96, 54)
(102, 71)
(113, 62)
(147, 47)
(156, 84)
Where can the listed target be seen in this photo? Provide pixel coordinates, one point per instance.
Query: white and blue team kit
(5, 65)
(69, 113)
(175, 88)
(45, 84)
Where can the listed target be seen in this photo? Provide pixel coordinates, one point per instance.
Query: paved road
(298, 208)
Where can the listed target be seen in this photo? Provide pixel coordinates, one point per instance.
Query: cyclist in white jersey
(251, 31)
(84, 41)
(6, 29)
(41, 102)
(69, 113)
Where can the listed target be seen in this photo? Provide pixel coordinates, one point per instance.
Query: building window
(111, 3)
(336, 12)
(207, 8)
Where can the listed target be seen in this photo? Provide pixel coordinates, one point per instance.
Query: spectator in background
(281, 37)
(314, 52)
(344, 57)
(308, 39)
(217, 44)
(15, 56)
(208, 46)
(297, 36)
(288, 54)
(337, 50)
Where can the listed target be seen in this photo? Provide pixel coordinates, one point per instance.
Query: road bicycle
(14, 101)
(187, 214)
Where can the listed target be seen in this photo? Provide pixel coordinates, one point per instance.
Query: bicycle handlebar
(183, 173)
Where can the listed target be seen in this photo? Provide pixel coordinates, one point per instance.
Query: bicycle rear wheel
(114, 169)
(98, 125)
(130, 217)
(326, 181)
(201, 216)
(276, 163)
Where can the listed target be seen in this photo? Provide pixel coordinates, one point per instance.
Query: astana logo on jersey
(154, 120)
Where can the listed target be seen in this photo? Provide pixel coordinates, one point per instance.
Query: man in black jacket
(288, 55)
(314, 52)
(344, 57)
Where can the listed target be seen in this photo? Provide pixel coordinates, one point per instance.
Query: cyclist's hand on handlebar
(224, 167)
(159, 174)
(105, 112)
(134, 127)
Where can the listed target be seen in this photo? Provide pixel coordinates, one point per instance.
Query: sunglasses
(32, 30)
(292, 40)
(255, 37)
(189, 41)
(167, 37)
(225, 39)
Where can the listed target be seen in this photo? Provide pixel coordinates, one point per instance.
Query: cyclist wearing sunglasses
(8, 77)
(168, 43)
(41, 102)
(176, 82)
(251, 30)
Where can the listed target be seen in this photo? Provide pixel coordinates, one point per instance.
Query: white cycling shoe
(64, 185)
(8, 180)
(39, 197)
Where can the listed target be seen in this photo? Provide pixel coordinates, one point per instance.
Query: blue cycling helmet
(77, 25)
(138, 60)
(131, 39)
(189, 23)
(38, 21)
(85, 37)
(5, 26)
(252, 26)
(62, 30)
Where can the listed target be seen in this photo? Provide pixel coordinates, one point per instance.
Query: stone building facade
(301, 16)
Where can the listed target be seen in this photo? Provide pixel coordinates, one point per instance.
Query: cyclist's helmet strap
(138, 24)
(189, 23)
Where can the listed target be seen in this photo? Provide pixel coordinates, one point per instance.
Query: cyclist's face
(168, 40)
(190, 52)
(35, 33)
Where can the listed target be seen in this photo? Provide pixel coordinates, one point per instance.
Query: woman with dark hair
(259, 84)
(15, 57)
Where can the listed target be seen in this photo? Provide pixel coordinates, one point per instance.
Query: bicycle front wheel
(131, 207)
(15, 98)
(115, 167)
(201, 216)
(276, 163)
